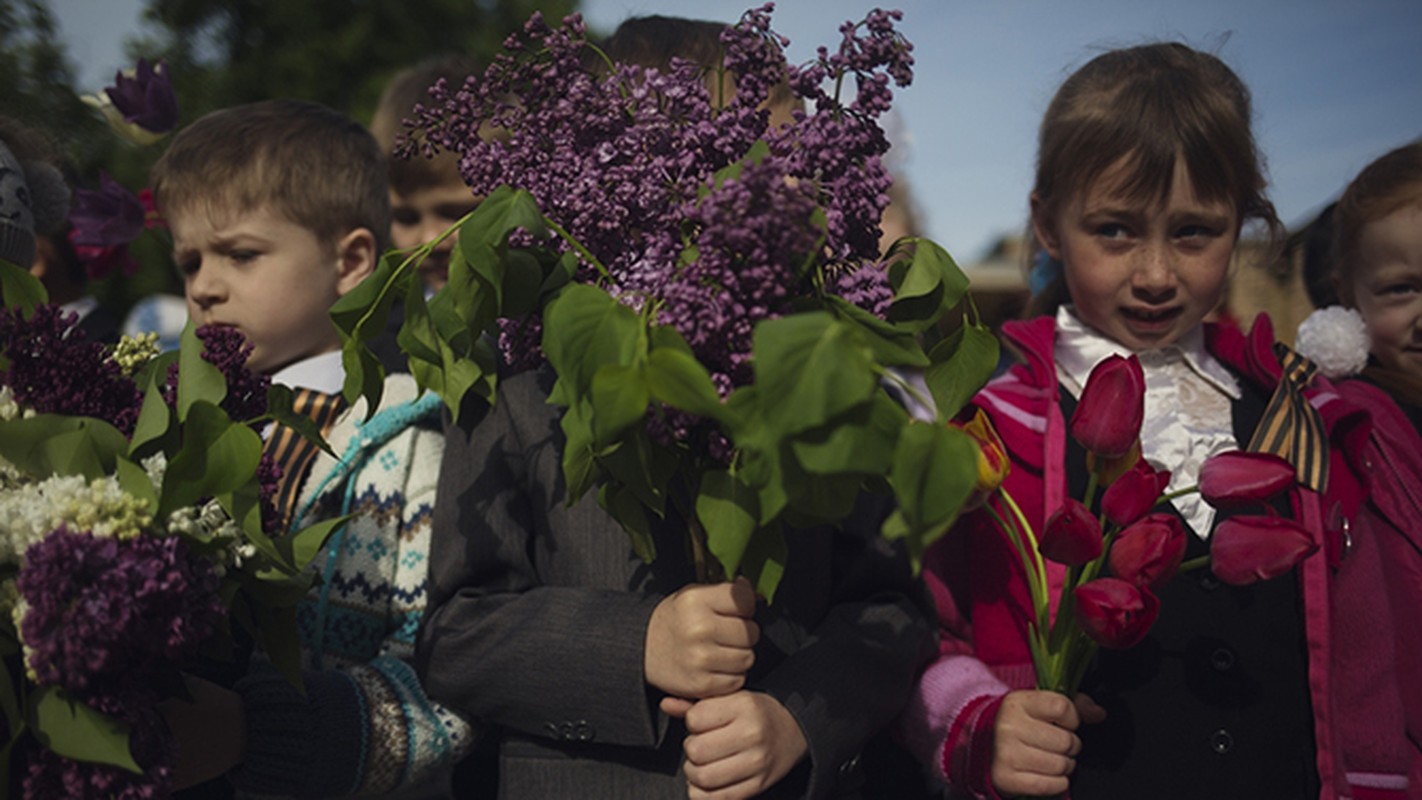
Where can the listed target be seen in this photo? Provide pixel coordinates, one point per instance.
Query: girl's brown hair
(1384, 186)
(1150, 105)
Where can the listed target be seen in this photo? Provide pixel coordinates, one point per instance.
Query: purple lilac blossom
(101, 611)
(147, 99)
(246, 399)
(108, 217)
(55, 369)
(624, 160)
(228, 350)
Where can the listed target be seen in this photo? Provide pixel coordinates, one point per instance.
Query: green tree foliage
(37, 88)
(336, 52)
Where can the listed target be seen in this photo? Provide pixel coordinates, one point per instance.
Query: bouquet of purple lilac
(728, 338)
(135, 525)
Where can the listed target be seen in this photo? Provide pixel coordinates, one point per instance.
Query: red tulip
(1108, 416)
(1236, 478)
(1134, 493)
(1115, 613)
(1072, 535)
(1246, 549)
(1149, 552)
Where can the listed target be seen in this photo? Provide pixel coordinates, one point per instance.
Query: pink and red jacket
(1369, 568)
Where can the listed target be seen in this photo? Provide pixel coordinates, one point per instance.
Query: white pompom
(1336, 339)
(49, 196)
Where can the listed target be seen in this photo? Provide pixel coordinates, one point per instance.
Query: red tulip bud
(992, 455)
(1072, 535)
(1134, 493)
(1108, 470)
(1108, 416)
(1149, 552)
(1114, 613)
(1246, 549)
(1236, 478)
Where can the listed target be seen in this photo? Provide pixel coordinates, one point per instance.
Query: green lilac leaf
(678, 379)
(727, 509)
(501, 213)
(892, 345)
(619, 399)
(860, 441)
(962, 364)
(135, 482)
(53, 444)
(934, 472)
(629, 512)
(585, 328)
(155, 420)
(307, 542)
(764, 561)
(808, 370)
(198, 381)
(580, 467)
(218, 456)
(20, 289)
(73, 730)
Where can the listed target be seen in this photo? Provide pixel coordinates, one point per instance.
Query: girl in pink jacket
(1286, 688)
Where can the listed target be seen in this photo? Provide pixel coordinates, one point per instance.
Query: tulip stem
(1168, 496)
(1036, 580)
(1036, 555)
(1194, 563)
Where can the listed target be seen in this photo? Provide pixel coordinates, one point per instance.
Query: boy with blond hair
(277, 209)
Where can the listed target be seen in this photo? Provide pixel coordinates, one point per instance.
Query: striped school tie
(1291, 427)
(294, 453)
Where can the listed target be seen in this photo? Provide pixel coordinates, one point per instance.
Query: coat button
(1209, 582)
(1222, 659)
(1221, 741)
(584, 731)
(849, 766)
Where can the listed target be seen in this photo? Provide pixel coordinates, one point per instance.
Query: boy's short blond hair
(313, 165)
(410, 87)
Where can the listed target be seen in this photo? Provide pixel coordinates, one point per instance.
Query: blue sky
(1335, 84)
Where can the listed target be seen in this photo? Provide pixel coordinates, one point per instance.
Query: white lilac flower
(1336, 339)
(30, 512)
(9, 409)
(132, 352)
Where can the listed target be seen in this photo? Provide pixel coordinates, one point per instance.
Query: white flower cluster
(1336, 339)
(9, 409)
(29, 512)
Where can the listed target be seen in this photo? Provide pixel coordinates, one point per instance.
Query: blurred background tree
(225, 52)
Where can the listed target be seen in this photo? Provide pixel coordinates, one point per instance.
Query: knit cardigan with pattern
(365, 725)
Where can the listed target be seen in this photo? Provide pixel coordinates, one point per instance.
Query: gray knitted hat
(33, 198)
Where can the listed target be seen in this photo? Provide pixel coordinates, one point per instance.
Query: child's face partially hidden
(267, 276)
(1387, 287)
(1141, 274)
(422, 215)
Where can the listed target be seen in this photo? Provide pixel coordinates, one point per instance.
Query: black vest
(1214, 702)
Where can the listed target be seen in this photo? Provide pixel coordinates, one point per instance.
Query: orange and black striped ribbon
(1291, 427)
(295, 453)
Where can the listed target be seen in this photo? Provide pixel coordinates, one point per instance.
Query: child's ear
(356, 259)
(1045, 228)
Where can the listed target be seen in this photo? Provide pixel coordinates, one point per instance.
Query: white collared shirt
(324, 373)
(1188, 416)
